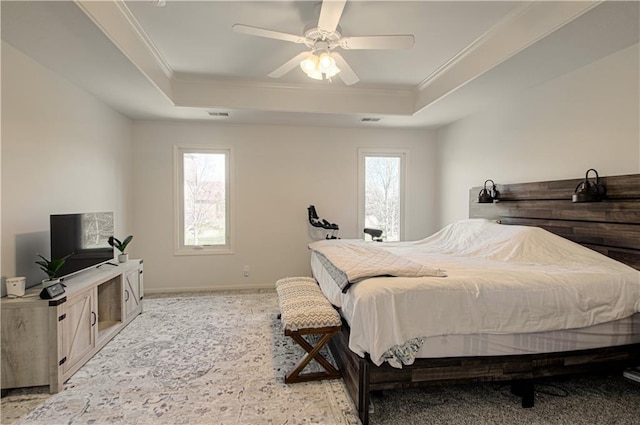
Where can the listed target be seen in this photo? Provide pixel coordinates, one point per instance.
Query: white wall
(63, 151)
(279, 172)
(585, 119)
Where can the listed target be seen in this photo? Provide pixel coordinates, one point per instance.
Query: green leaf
(51, 267)
(121, 246)
(126, 242)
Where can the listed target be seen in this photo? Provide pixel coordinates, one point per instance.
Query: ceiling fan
(321, 62)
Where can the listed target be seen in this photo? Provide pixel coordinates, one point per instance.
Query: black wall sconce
(589, 192)
(487, 196)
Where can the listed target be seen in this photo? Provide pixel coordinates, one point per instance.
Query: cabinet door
(131, 292)
(25, 350)
(78, 328)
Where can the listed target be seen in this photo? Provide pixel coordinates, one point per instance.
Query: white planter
(123, 258)
(49, 282)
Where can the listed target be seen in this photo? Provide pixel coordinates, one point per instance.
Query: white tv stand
(44, 342)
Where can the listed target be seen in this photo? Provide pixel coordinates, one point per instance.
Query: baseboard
(217, 288)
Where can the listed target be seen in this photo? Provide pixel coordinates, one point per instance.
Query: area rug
(220, 359)
(195, 360)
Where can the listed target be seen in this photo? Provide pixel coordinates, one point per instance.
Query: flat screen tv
(86, 235)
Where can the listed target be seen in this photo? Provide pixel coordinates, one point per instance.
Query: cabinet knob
(95, 318)
(126, 295)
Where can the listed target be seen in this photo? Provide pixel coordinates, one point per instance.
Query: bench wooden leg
(313, 353)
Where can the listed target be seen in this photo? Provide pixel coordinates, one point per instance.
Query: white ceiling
(184, 60)
(196, 39)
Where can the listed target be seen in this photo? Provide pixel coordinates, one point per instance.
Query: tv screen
(86, 235)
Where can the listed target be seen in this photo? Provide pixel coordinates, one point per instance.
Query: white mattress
(618, 332)
(510, 290)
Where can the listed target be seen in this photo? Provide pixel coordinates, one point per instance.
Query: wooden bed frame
(611, 227)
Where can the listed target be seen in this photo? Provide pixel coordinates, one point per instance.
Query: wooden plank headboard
(611, 227)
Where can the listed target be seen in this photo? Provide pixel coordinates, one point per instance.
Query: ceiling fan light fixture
(309, 64)
(326, 63)
(322, 67)
(316, 75)
(320, 63)
(333, 72)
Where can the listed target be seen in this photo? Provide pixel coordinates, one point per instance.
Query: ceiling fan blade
(288, 65)
(378, 42)
(262, 32)
(346, 74)
(330, 14)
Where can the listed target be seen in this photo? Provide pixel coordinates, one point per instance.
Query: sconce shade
(487, 196)
(589, 192)
(484, 197)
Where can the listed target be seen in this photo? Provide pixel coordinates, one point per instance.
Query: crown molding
(520, 29)
(209, 93)
(380, 90)
(494, 31)
(145, 39)
(117, 23)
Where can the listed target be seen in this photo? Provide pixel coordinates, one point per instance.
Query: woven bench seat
(304, 310)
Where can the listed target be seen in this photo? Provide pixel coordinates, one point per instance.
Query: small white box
(15, 287)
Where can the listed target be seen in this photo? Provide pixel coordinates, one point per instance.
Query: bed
(577, 313)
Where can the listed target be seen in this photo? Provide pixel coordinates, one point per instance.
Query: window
(203, 200)
(381, 203)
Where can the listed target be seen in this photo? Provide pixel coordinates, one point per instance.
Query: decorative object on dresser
(16, 287)
(123, 257)
(51, 268)
(44, 342)
(52, 291)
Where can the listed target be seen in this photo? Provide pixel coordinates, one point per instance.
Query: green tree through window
(202, 200)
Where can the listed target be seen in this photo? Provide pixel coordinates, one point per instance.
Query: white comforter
(501, 279)
(355, 261)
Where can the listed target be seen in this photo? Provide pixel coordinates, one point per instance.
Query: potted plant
(123, 257)
(51, 268)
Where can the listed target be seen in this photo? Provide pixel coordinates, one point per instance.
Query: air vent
(218, 114)
(370, 119)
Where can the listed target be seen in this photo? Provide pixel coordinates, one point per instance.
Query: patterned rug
(210, 359)
(220, 359)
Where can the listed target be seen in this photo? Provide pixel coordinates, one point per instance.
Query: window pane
(382, 195)
(204, 199)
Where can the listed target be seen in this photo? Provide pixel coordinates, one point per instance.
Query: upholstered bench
(304, 310)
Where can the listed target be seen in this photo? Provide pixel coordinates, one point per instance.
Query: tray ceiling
(183, 60)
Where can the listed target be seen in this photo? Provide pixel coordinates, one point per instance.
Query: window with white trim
(381, 189)
(202, 200)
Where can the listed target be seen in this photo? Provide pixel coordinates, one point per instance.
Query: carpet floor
(220, 358)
